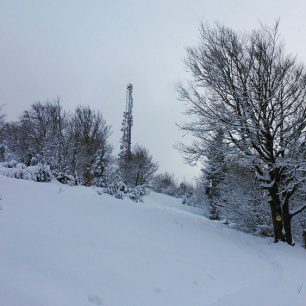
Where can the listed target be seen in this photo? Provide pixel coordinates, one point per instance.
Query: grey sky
(87, 51)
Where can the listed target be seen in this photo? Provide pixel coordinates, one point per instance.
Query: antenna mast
(128, 122)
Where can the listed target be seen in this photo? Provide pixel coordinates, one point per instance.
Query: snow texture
(66, 245)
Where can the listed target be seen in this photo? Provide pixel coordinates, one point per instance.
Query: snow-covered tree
(102, 168)
(39, 135)
(71, 144)
(18, 137)
(249, 86)
(139, 168)
(165, 183)
(214, 171)
(241, 200)
(88, 134)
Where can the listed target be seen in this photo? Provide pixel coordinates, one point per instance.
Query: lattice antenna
(127, 122)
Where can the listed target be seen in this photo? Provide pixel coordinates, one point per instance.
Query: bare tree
(247, 84)
(39, 134)
(20, 139)
(71, 144)
(165, 183)
(139, 168)
(88, 133)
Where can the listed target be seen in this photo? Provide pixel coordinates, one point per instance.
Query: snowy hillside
(69, 246)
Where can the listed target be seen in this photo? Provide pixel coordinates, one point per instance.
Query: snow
(69, 246)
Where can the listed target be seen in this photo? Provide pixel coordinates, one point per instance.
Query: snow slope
(69, 246)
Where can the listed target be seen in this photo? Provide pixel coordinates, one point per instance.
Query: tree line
(74, 145)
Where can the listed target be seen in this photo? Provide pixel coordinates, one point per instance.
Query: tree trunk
(87, 177)
(287, 222)
(276, 212)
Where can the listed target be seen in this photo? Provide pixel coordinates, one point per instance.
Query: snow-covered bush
(264, 230)
(191, 200)
(38, 173)
(241, 201)
(120, 190)
(165, 183)
(117, 189)
(299, 220)
(191, 196)
(109, 176)
(12, 164)
(136, 193)
(63, 177)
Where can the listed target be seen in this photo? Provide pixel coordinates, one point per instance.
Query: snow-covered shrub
(117, 189)
(110, 175)
(264, 230)
(101, 181)
(192, 200)
(242, 202)
(299, 220)
(120, 190)
(136, 193)
(12, 164)
(184, 189)
(63, 177)
(38, 173)
(165, 183)
(12, 172)
(191, 196)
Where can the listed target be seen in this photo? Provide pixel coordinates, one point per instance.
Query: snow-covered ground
(69, 246)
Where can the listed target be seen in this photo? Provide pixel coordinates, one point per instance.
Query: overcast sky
(86, 52)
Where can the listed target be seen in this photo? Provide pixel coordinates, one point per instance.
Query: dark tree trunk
(287, 223)
(137, 179)
(276, 213)
(87, 177)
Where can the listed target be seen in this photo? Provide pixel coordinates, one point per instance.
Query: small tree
(139, 168)
(39, 135)
(165, 183)
(214, 172)
(102, 165)
(88, 134)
